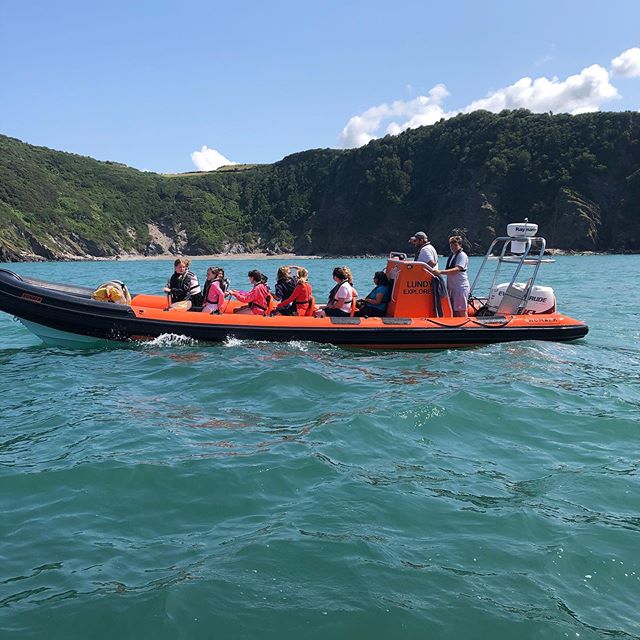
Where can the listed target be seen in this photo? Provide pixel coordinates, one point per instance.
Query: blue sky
(151, 84)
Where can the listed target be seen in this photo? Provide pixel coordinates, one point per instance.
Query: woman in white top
(341, 296)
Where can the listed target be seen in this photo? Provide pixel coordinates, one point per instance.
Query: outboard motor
(541, 299)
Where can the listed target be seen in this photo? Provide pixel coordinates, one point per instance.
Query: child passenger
(341, 296)
(285, 284)
(213, 294)
(257, 298)
(298, 302)
(222, 280)
(183, 284)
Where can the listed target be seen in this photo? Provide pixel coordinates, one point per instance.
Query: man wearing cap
(425, 251)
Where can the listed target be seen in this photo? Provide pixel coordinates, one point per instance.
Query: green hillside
(578, 177)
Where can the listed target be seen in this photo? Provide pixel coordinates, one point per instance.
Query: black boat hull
(72, 312)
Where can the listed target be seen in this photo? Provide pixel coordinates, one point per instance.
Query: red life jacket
(260, 303)
(302, 306)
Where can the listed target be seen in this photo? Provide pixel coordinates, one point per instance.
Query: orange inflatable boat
(419, 314)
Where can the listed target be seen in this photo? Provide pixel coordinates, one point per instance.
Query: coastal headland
(577, 177)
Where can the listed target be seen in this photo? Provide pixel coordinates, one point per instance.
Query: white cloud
(581, 93)
(412, 113)
(209, 159)
(627, 64)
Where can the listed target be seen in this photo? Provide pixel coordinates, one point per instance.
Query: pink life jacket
(258, 298)
(260, 303)
(215, 294)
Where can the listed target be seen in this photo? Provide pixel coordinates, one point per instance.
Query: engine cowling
(541, 298)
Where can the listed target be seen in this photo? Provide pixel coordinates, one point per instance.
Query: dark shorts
(197, 299)
(372, 312)
(336, 313)
(288, 311)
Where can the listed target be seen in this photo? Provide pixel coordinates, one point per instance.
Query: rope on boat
(493, 324)
(448, 326)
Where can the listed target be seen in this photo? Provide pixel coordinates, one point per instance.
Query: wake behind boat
(418, 316)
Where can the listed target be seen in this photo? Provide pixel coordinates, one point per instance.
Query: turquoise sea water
(254, 490)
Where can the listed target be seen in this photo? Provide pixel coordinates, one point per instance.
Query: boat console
(416, 292)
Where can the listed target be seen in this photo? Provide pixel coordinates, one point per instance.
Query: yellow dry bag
(112, 291)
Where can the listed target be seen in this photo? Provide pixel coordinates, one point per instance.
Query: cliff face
(577, 177)
(577, 222)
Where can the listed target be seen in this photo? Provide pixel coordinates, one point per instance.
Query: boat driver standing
(457, 280)
(425, 251)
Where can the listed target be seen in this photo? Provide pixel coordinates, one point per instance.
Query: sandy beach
(213, 257)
